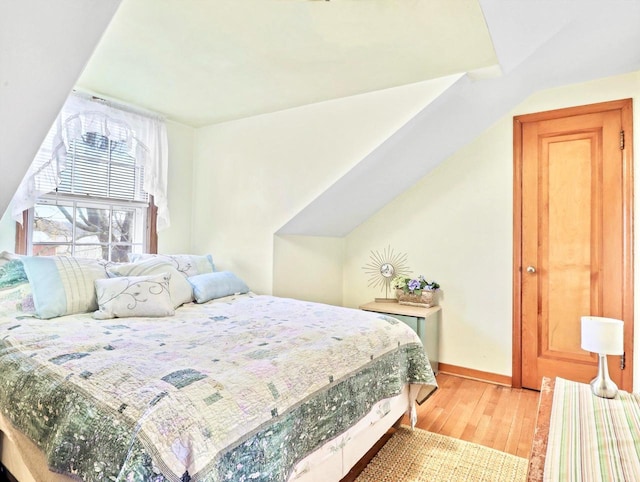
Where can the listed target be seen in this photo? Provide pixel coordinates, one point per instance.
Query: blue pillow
(209, 286)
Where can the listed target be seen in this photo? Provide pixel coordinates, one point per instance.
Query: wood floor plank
(528, 427)
(460, 416)
(486, 429)
(513, 437)
(505, 417)
(471, 425)
(446, 399)
(521, 432)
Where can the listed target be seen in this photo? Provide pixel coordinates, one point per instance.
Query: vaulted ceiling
(202, 62)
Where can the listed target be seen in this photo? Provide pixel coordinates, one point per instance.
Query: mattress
(242, 388)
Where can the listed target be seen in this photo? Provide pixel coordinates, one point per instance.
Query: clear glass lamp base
(602, 386)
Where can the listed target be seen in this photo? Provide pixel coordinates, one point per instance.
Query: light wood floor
(499, 417)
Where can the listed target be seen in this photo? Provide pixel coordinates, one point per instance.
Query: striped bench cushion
(592, 438)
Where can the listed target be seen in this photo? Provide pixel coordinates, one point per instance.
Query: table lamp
(603, 336)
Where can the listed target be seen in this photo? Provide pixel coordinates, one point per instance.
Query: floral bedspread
(238, 389)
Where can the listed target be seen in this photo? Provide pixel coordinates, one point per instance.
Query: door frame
(626, 108)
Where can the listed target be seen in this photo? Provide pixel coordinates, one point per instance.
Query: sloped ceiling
(41, 57)
(580, 41)
(203, 62)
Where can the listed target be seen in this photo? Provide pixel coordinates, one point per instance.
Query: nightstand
(424, 321)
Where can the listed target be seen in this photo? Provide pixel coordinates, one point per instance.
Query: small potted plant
(415, 291)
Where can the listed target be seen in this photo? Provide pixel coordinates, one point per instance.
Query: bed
(240, 387)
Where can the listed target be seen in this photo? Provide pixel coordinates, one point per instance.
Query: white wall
(456, 227)
(253, 175)
(176, 238)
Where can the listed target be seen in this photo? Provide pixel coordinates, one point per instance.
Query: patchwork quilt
(237, 389)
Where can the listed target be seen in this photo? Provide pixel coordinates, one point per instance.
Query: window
(93, 187)
(99, 209)
(76, 228)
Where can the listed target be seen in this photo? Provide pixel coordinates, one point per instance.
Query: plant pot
(425, 298)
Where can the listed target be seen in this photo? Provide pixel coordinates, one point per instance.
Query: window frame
(151, 234)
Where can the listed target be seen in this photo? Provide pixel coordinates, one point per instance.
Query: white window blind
(99, 167)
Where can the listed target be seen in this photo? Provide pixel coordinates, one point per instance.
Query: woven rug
(419, 455)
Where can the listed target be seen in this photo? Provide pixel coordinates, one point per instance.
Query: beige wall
(176, 238)
(253, 175)
(309, 268)
(456, 227)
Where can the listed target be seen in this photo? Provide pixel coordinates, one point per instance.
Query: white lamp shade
(602, 335)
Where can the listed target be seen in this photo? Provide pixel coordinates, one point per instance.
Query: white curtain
(145, 138)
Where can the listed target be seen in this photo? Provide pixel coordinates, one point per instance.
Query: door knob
(531, 269)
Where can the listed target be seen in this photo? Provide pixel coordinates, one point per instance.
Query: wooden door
(572, 239)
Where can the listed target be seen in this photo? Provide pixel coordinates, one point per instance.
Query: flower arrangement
(414, 286)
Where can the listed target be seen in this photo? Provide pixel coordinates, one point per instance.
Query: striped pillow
(63, 285)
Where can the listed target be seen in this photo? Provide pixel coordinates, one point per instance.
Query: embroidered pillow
(63, 285)
(134, 296)
(179, 287)
(187, 264)
(210, 286)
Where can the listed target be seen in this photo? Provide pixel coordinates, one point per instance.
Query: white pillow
(187, 264)
(134, 296)
(179, 287)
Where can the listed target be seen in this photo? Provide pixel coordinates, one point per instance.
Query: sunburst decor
(383, 268)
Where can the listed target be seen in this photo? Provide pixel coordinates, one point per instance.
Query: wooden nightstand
(424, 321)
